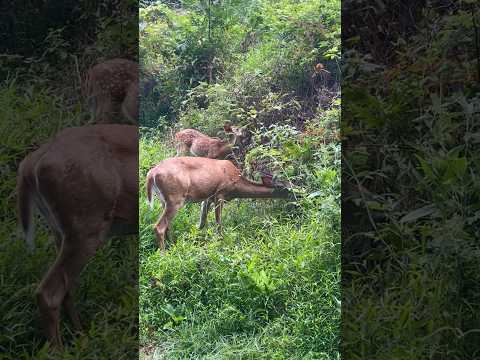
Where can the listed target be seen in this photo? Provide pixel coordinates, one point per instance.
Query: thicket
(410, 218)
(269, 287)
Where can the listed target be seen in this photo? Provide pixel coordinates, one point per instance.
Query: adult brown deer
(180, 179)
(193, 142)
(111, 89)
(84, 182)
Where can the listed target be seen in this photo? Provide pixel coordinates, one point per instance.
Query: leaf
(170, 310)
(168, 326)
(426, 168)
(419, 213)
(375, 205)
(474, 138)
(459, 166)
(314, 194)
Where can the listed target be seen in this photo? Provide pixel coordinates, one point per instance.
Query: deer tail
(87, 84)
(149, 190)
(25, 202)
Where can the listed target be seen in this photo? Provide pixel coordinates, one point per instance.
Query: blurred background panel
(47, 52)
(410, 225)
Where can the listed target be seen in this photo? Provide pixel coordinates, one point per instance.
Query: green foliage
(253, 48)
(411, 279)
(66, 37)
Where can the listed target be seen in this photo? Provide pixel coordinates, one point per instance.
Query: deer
(84, 183)
(180, 179)
(111, 89)
(193, 142)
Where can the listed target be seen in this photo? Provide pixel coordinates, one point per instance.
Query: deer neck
(223, 150)
(245, 189)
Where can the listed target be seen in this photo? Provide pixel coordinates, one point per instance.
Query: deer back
(199, 144)
(187, 136)
(108, 85)
(84, 174)
(193, 178)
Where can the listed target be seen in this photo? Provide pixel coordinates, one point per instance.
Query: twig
(78, 74)
(364, 200)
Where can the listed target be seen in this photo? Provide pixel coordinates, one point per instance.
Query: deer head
(111, 89)
(269, 180)
(238, 134)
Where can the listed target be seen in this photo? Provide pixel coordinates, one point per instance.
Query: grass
(107, 293)
(269, 288)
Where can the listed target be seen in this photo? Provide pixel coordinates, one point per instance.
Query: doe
(180, 179)
(84, 183)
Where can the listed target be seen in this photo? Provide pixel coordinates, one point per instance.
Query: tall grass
(268, 288)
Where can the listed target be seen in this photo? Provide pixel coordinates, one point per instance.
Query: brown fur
(180, 179)
(193, 142)
(85, 184)
(111, 89)
(190, 141)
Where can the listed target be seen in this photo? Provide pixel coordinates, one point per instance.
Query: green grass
(269, 288)
(107, 293)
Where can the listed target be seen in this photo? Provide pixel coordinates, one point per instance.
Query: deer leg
(218, 213)
(161, 227)
(58, 282)
(68, 303)
(182, 149)
(204, 213)
(105, 110)
(92, 107)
